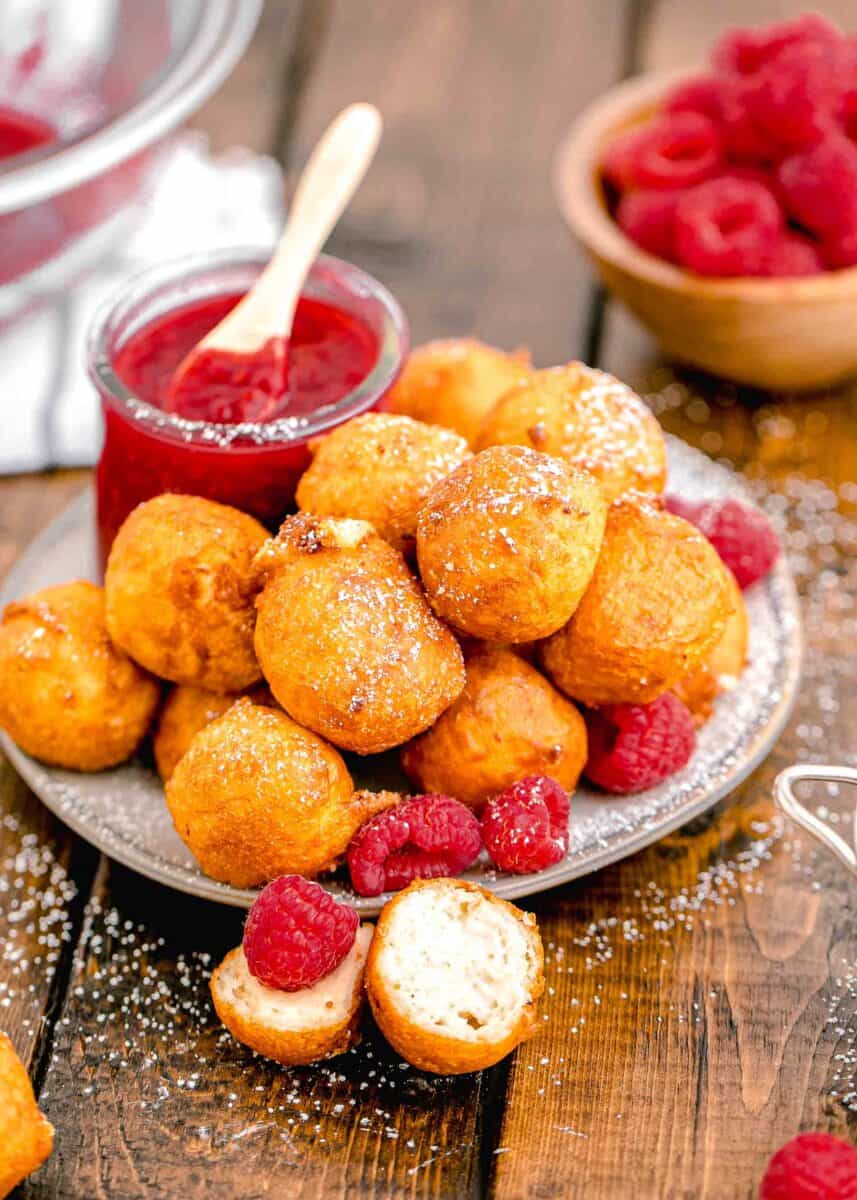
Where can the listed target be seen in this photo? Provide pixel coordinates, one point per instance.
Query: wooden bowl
(792, 334)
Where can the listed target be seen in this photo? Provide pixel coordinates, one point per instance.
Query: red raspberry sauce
(20, 132)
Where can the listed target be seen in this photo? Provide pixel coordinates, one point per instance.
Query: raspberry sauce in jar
(20, 132)
(348, 341)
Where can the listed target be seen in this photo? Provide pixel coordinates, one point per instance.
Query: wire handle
(800, 814)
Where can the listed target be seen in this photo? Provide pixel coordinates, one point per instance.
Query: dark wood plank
(456, 214)
(715, 972)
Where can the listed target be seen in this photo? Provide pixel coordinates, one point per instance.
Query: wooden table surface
(702, 995)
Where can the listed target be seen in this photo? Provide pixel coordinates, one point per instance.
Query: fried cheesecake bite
(380, 468)
(346, 639)
(180, 591)
(508, 723)
(656, 607)
(256, 796)
(455, 381)
(68, 695)
(589, 419)
(26, 1138)
(187, 710)
(727, 660)
(507, 543)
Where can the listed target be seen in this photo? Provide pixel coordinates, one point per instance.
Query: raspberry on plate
(741, 534)
(726, 226)
(647, 218)
(673, 150)
(525, 827)
(812, 1166)
(819, 186)
(745, 51)
(296, 933)
(424, 837)
(635, 746)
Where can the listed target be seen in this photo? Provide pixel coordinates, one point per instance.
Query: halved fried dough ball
(187, 710)
(379, 467)
(720, 672)
(657, 605)
(26, 1137)
(257, 796)
(507, 543)
(588, 418)
(455, 381)
(509, 722)
(68, 696)
(180, 590)
(346, 639)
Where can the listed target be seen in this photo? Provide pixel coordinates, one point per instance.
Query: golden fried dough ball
(507, 543)
(589, 419)
(346, 639)
(720, 672)
(180, 589)
(187, 710)
(379, 467)
(68, 696)
(257, 796)
(26, 1138)
(455, 382)
(657, 605)
(509, 722)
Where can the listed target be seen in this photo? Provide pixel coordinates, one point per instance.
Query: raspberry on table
(635, 746)
(819, 186)
(525, 827)
(674, 150)
(647, 218)
(812, 1166)
(745, 51)
(741, 534)
(725, 227)
(424, 837)
(296, 933)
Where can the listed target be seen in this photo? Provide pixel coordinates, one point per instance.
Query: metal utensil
(789, 803)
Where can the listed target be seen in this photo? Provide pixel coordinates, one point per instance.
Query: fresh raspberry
(647, 218)
(422, 838)
(725, 227)
(742, 535)
(745, 51)
(792, 255)
(840, 250)
(704, 94)
(812, 1166)
(634, 746)
(525, 827)
(819, 186)
(296, 933)
(674, 150)
(794, 99)
(743, 141)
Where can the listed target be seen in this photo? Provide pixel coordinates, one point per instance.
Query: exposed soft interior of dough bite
(458, 963)
(328, 1002)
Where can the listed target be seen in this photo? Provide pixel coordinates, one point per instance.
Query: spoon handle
(328, 181)
(787, 800)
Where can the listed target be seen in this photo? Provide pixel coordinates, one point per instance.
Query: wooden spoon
(247, 352)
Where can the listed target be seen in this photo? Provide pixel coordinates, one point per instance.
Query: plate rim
(787, 603)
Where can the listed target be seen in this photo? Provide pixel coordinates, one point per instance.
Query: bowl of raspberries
(719, 204)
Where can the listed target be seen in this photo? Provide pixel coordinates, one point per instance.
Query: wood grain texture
(456, 215)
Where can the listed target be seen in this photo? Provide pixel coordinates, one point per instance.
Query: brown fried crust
(455, 381)
(347, 641)
(657, 605)
(180, 590)
(589, 419)
(508, 542)
(427, 1049)
(509, 722)
(379, 467)
(68, 696)
(185, 711)
(26, 1138)
(726, 661)
(291, 1048)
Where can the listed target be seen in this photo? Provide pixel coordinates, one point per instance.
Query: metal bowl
(113, 77)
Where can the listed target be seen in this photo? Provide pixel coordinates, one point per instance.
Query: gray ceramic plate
(122, 811)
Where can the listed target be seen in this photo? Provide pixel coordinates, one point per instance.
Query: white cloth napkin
(49, 412)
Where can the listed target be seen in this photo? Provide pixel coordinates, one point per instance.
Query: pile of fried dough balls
(460, 572)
